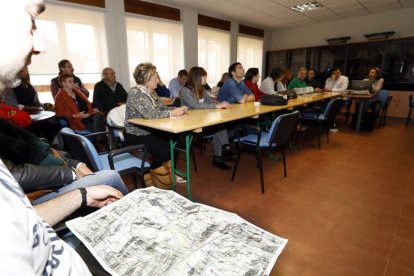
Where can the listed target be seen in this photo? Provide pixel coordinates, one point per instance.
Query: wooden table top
(197, 119)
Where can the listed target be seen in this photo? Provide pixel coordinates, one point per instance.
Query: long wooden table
(195, 120)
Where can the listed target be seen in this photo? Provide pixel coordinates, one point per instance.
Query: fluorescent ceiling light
(307, 7)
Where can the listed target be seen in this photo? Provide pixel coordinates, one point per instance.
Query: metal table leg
(186, 174)
(360, 111)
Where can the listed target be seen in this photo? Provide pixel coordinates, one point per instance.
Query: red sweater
(255, 89)
(66, 107)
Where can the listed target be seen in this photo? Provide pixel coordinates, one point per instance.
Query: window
(250, 52)
(74, 34)
(155, 41)
(362, 57)
(213, 53)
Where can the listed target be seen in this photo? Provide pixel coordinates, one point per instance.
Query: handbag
(160, 177)
(273, 100)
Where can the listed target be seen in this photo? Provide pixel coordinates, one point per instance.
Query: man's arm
(58, 208)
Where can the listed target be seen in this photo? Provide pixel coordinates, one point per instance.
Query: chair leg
(318, 127)
(409, 116)
(284, 161)
(237, 162)
(261, 171)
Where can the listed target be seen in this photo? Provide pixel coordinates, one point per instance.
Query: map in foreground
(159, 232)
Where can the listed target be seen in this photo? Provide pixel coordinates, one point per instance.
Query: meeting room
(215, 137)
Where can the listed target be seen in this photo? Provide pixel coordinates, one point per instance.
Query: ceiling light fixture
(384, 35)
(307, 7)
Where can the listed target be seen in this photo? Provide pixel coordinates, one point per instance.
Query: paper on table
(157, 232)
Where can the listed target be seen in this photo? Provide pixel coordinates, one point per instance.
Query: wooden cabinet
(399, 104)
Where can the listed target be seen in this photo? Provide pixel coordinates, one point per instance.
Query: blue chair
(123, 160)
(277, 137)
(385, 100)
(323, 121)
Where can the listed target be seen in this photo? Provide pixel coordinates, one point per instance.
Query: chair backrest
(81, 149)
(383, 97)
(282, 128)
(116, 116)
(332, 109)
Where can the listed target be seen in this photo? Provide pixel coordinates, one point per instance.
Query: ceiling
(276, 14)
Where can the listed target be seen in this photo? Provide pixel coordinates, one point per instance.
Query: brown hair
(63, 77)
(194, 81)
(376, 69)
(286, 76)
(143, 72)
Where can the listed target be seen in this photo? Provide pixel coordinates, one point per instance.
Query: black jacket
(36, 177)
(105, 99)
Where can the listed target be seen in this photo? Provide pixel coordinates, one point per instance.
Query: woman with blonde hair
(194, 96)
(143, 102)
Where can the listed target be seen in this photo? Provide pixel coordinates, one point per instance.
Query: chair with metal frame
(324, 120)
(278, 137)
(126, 160)
(385, 100)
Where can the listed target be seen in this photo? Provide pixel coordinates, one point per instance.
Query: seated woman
(73, 105)
(194, 96)
(374, 75)
(250, 79)
(143, 102)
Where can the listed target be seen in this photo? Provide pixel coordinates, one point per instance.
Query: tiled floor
(347, 209)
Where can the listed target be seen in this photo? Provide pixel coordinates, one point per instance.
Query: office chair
(124, 160)
(277, 137)
(410, 109)
(385, 100)
(323, 120)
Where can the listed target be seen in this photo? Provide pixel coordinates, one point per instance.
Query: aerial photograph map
(159, 232)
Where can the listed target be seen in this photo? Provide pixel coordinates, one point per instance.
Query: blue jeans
(105, 177)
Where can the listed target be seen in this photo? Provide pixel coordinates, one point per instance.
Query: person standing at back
(234, 89)
(65, 67)
(108, 93)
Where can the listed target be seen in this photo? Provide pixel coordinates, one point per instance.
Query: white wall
(400, 21)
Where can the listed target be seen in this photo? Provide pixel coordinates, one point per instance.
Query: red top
(15, 115)
(255, 89)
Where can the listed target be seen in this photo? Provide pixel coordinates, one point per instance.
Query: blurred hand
(101, 196)
(223, 105)
(82, 170)
(179, 111)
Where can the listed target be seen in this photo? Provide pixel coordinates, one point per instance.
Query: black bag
(273, 100)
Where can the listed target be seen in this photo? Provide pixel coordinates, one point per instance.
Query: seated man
(299, 81)
(108, 93)
(176, 83)
(24, 97)
(312, 81)
(336, 82)
(234, 90)
(34, 165)
(65, 67)
(268, 84)
(28, 244)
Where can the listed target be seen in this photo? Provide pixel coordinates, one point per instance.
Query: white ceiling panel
(407, 3)
(277, 13)
(382, 7)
